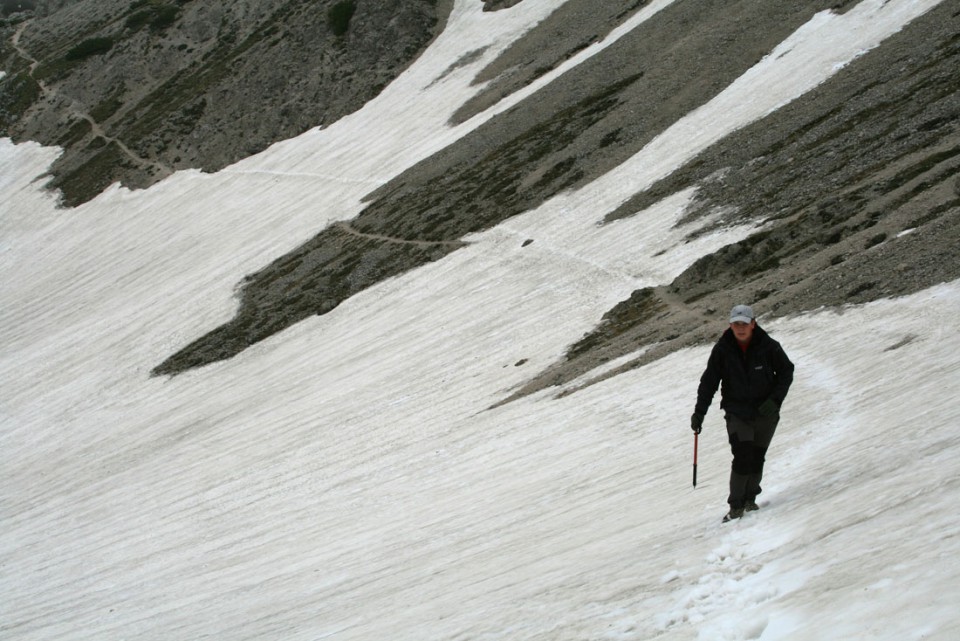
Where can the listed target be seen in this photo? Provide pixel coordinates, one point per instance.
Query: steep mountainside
(136, 89)
(855, 183)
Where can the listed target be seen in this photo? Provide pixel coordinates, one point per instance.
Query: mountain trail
(95, 128)
(346, 227)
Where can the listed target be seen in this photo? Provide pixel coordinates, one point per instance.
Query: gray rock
(195, 84)
(838, 174)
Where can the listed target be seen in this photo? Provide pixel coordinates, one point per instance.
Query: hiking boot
(751, 506)
(734, 513)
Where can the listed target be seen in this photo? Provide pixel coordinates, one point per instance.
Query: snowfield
(347, 479)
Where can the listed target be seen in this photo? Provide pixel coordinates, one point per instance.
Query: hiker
(754, 374)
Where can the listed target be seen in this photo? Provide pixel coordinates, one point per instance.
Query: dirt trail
(345, 226)
(95, 127)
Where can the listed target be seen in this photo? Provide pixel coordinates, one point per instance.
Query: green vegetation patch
(93, 176)
(90, 47)
(477, 195)
(339, 16)
(152, 13)
(642, 306)
(109, 105)
(77, 132)
(186, 87)
(17, 94)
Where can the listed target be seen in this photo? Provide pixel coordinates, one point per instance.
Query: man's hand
(768, 408)
(696, 422)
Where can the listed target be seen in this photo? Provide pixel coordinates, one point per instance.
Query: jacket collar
(759, 337)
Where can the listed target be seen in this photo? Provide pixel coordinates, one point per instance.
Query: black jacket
(747, 379)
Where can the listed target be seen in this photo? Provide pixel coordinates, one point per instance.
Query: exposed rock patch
(496, 5)
(135, 89)
(859, 181)
(580, 126)
(574, 26)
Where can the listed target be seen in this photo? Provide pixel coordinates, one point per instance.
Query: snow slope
(346, 479)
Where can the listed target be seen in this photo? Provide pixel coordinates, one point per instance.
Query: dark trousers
(749, 440)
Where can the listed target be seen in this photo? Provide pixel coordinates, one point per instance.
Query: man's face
(743, 331)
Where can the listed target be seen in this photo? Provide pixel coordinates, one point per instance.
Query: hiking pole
(696, 439)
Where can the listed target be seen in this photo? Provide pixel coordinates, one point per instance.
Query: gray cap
(741, 314)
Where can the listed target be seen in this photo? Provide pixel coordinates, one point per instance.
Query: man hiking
(754, 375)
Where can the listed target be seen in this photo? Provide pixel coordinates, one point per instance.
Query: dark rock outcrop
(857, 181)
(136, 89)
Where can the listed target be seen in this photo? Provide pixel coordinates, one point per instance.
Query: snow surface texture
(345, 480)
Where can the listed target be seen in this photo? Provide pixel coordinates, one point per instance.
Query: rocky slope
(135, 89)
(856, 181)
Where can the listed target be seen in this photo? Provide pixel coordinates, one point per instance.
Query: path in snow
(345, 479)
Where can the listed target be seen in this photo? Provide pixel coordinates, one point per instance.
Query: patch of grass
(919, 168)
(156, 14)
(17, 94)
(762, 266)
(185, 87)
(875, 240)
(108, 106)
(611, 138)
(78, 130)
(90, 47)
(859, 289)
(93, 176)
(137, 21)
(8, 7)
(477, 195)
(762, 294)
(699, 295)
(556, 172)
(831, 237)
(642, 306)
(54, 69)
(339, 16)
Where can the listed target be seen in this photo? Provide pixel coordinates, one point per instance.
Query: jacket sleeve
(709, 382)
(784, 370)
